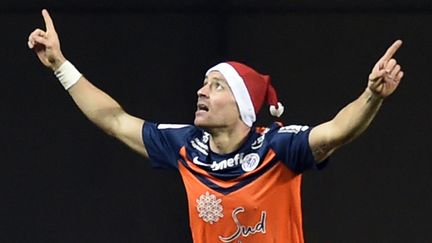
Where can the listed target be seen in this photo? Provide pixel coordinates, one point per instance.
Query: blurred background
(64, 180)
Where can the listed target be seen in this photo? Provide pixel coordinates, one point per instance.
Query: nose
(203, 91)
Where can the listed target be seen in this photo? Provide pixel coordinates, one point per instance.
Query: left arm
(353, 119)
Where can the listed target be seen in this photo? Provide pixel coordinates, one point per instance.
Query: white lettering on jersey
(249, 162)
(199, 148)
(260, 140)
(173, 126)
(227, 163)
(258, 143)
(201, 145)
(293, 129)
(206, 137)
(243, 230)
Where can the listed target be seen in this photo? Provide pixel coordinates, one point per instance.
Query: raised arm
(354, 118)
(98, 106)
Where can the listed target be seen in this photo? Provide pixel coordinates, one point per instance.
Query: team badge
(250, 162)
(209, 208)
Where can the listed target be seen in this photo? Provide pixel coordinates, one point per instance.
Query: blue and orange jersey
(249, 196)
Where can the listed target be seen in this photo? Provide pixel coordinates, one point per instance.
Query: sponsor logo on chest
(210, 210)
(248, 162)
(245, 230)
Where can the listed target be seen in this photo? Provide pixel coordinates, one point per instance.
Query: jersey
(249, 196)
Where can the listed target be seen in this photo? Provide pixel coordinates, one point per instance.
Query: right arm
(96, 105)
(107, 114)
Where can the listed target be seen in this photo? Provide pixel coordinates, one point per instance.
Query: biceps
(129, 131)
(322, 141)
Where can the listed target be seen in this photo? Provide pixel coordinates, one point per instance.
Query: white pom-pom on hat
(277, 112)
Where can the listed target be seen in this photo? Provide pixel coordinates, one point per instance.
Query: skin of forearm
(96, 105)
(353, 119)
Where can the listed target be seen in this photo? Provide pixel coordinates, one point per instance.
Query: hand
(46, 44)
(386, 74)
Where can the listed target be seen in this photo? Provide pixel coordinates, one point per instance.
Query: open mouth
(202, 107)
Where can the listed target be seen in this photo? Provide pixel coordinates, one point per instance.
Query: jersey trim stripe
(222, 186)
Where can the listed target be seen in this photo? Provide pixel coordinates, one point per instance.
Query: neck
(227, 140)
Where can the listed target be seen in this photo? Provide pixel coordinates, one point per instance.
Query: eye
(219, 86)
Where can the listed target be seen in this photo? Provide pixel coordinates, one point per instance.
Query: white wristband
(67, 74)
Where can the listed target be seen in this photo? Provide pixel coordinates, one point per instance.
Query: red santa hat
(250, 90)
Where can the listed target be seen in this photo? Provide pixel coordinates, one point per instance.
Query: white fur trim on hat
(240, 92)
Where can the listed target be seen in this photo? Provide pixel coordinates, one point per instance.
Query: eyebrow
(217, 79)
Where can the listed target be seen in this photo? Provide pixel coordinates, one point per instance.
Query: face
(216, 107)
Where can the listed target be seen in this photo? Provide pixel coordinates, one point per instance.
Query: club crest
(250, 162)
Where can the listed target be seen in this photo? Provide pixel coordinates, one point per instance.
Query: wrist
(373, 96)
(55, 63)
(67, 74)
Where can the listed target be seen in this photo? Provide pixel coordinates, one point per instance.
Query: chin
(203, 124)
(199, 123)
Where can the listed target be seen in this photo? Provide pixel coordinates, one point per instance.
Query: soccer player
(242, 181)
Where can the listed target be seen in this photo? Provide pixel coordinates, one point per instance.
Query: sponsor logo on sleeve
(293, 129)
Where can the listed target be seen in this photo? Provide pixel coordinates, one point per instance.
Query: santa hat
(250, 90)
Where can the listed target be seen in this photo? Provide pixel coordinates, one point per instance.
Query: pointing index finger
(48, 21)
(391, 50)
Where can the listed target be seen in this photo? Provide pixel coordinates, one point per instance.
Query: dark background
(63, 180)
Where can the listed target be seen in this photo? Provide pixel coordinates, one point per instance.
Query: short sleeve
(291, 144)
(163, 142)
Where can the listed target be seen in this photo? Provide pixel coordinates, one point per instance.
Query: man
(242, 182)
